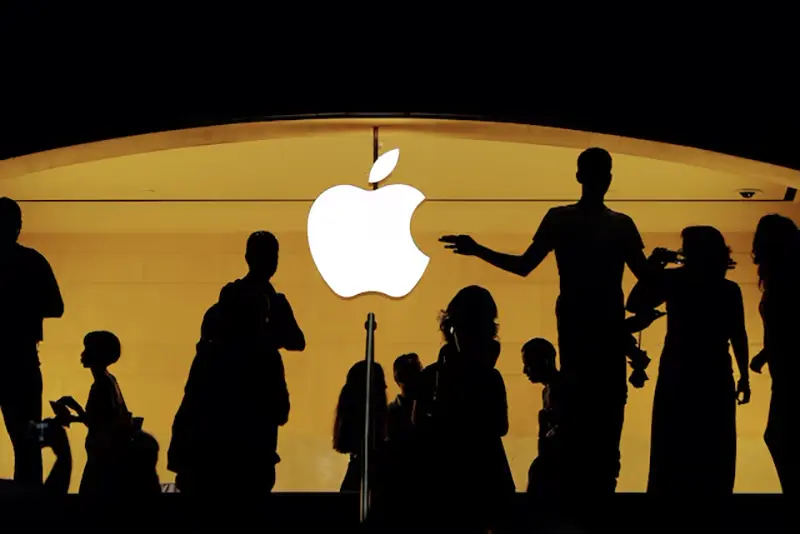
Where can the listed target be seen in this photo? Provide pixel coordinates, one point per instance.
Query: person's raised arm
(645, 297)
(638, 264)
(521, 265)
(739, 344)
(651, 290)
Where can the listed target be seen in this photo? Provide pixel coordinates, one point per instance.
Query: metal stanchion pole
(367, 443)
(370, 358)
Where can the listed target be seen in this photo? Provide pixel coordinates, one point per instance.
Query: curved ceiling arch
(442, 128)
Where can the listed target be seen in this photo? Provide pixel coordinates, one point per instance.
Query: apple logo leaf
(384, 166)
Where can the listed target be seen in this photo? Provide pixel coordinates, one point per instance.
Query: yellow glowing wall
(152, 289)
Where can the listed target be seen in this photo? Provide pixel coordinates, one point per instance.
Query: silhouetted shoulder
(31, 258)
(559, 213)
(732, 289)
(497, 378)
(230, 291)
(627, 229)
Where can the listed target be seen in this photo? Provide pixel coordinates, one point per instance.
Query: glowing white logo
(361, 240)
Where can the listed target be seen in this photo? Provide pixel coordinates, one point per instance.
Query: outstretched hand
(460, 244)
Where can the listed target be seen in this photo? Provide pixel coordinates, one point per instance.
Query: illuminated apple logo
(361, 240)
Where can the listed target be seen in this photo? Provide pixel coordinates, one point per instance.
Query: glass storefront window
(148, 270)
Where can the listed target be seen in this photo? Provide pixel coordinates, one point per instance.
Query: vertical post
(368, 431)
(370, 325)
(375, 147)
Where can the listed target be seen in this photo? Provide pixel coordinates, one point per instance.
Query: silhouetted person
(28, 294)
(237, 381)
(106, 416)
(539, 365)
(407, 372)
(402, 451)
(592, 245)
(348, 427)
(693, 439)
(462, 414)
(776, 251)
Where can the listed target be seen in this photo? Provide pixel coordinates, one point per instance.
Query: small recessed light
(749, 193)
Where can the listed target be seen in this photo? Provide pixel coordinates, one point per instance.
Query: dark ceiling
(66, 83)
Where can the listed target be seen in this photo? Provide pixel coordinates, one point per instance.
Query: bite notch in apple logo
(360, 240)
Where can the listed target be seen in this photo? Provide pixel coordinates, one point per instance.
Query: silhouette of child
(106, 416)
(539, 365)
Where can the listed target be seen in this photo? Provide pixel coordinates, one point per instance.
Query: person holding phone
(462, 416)
(693, 443)
(110, 424)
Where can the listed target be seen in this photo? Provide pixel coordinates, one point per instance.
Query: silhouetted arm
(635, 259)
(648, 294)
(521, 265)
(638, 264)
(760, 360)
(739, 344)
(651, 290)
(290, 335)
(51, 303)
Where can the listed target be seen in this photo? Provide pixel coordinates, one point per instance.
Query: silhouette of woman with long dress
(462, 413)
(693, 441)
(776, 251)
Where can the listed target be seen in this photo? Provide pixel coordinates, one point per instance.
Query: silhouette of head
(348, 428)
(470, 316)
(776, 250)
(100, 349)
(775, 236)
(705, 251)
(262, 254)
(538, 360)
(407, 370)
(10, 222)
(594, 173)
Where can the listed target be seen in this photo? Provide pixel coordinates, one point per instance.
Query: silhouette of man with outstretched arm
(28, 294)
(592, 245)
